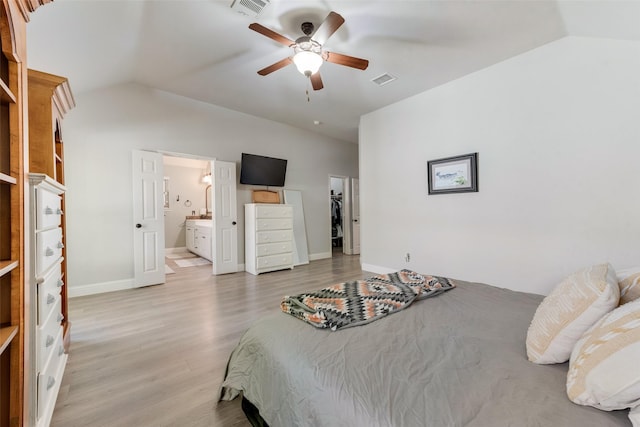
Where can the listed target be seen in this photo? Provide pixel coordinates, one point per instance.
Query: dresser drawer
(48, 209)
(274, 261)
(273, 224)
(48, 292)
(274, 211)
(50, 377)
(273, 236)
(274, 248)
(48, 249)
(47, 333)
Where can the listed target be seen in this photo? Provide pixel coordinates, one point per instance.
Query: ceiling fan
(308, 53)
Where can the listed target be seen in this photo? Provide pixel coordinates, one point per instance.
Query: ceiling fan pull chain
(307, 91)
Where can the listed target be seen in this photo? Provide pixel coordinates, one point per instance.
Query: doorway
(186, 192)
(344, 199)
(187, 188)
(337, 186)
(339, 202)
(204, 217)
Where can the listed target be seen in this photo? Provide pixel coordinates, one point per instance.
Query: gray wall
(557, 133)
(108, 124)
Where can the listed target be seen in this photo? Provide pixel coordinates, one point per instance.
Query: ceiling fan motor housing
(307, 28)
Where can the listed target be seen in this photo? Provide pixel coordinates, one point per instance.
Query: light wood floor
(156, 356)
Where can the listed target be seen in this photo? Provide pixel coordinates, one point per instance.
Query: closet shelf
(6, 336)
(6, 179)
(7, 266)
(6, 96)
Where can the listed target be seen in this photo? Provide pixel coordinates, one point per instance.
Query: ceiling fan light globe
(307, 63)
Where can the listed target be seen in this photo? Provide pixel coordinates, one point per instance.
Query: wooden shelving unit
(15, 395)
(50, 99)
(11, 250)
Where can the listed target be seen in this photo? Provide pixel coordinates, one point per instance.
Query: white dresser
(46, 344)
(268, 237)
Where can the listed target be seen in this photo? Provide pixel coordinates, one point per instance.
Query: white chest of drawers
(268, 237)
(46, 343)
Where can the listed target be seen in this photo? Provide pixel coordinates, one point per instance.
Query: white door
(225, 217)
(148, 220)
(355, 216)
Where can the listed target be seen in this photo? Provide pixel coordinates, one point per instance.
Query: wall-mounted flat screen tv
(262, 170)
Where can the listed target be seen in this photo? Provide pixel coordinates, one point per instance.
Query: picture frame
(458, 174)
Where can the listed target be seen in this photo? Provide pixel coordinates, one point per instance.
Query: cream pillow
(629, 282)
(569, 310)
(604, 370)
(634, 416)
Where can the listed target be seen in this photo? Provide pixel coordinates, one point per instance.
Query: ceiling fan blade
(316, 81)
(330, 25)
(349, 61)
(275, 67)
(271, 34)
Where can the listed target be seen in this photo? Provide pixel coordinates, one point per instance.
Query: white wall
(558, 135)
(107, 124)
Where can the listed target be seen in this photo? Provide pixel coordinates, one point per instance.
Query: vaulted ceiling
(203, 49)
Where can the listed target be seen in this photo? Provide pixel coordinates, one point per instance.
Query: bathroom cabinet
(198, 236)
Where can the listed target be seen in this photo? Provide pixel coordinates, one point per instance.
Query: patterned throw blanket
(362, 301)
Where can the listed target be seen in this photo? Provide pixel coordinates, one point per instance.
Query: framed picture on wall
(457, 174)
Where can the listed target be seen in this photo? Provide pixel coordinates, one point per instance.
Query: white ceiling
(203, 50)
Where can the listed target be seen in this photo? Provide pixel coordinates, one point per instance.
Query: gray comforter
(454, 360)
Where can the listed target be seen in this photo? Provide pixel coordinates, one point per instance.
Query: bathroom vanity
(198, 236)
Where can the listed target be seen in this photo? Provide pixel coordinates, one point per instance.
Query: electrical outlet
(407, 257)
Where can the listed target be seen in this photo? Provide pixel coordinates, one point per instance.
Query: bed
(457, 359)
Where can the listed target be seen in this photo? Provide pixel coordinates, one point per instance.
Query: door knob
(233, 223)
(138, 225)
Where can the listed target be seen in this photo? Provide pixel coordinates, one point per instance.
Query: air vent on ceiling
(252, 8)
(384, 79)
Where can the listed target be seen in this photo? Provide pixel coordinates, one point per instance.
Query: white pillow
(604, 370)
(634, 416)
(569, 310)
(629, 282)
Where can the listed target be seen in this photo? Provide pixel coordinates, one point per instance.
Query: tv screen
(261, 170)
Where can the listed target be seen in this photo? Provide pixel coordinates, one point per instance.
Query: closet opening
(344, 211)
(337, 186)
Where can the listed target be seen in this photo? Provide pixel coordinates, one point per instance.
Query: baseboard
(116, 285)
(378, 269)
(176, 250)
(100, 288)
(321, 255)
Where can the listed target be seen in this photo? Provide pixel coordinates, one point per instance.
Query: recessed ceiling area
(204, 50)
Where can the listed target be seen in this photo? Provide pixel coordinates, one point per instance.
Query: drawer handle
(50, 299)
(49, 341)
(60, 245)
(49, 252)
(60, 283)
(60, 317)
(48, 211)
(60, 351)
(51, 382)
